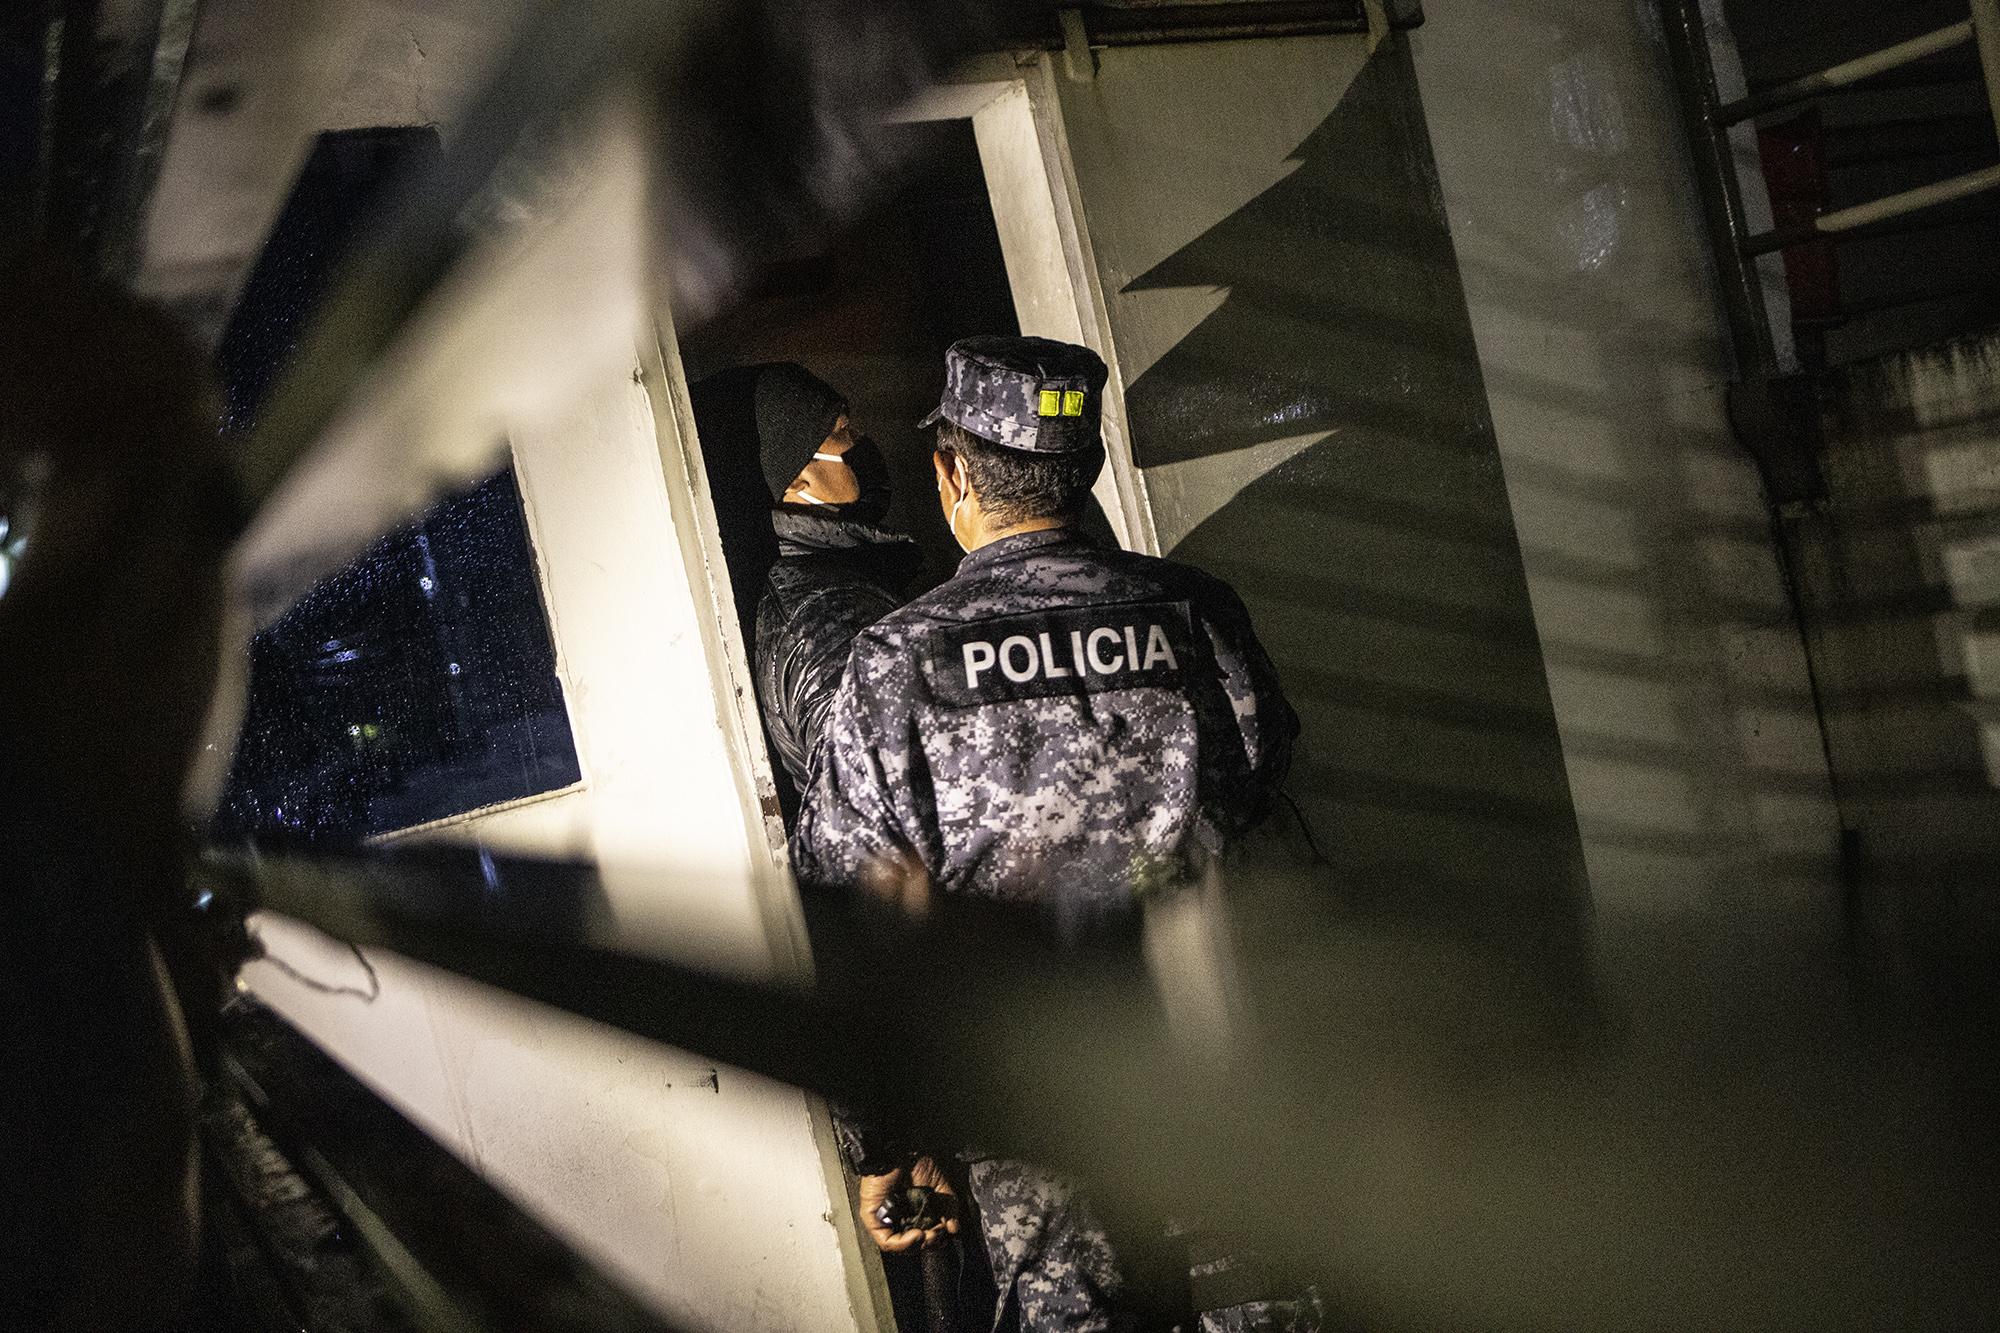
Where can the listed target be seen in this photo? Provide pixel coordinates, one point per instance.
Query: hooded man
(833, 572)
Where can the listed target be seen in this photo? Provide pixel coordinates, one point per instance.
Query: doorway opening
(873, 313)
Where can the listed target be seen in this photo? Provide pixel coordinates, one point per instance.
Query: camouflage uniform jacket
(833, 578)
(1059, 723)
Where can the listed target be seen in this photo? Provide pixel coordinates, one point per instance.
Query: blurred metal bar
(1984, 27)
(1721, 194)
(1392, 1089)
(1908, 201)
(1945, 217)
(1845, 73)
(561, 56)
(173, 31)
(111, 71)
(1938, 73)
(31, 56)
(542, 939)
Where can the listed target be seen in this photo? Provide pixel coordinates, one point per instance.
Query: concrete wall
(1455, 427)
(1679, 680)
(1899, 574)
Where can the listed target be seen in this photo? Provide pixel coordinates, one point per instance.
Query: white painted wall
(1157, 169)
(1049, 267)
(1674, 660)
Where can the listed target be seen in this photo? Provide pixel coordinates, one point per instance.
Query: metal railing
(1708, 120)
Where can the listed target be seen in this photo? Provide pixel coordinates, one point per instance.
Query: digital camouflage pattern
(1231, 1287)
(1052, 1262)
(1056, 1268)
(1032, 394)
(1058, 724)
(1303, 1315)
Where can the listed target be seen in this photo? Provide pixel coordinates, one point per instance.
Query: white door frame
(1044, 241)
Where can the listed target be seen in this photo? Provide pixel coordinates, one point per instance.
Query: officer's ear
(945, 465)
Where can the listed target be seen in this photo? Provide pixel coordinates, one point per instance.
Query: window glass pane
(416, 683)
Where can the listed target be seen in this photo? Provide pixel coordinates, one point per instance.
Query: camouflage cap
(1033, 394)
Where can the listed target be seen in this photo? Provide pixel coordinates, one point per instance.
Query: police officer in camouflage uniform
(1060, 725)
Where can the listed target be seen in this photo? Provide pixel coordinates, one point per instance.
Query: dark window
(416, 683)
(419, 681)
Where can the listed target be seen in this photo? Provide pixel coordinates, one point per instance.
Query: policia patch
(1043, 653)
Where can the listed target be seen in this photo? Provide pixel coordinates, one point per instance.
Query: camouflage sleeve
(849, 816)
(1264, 717)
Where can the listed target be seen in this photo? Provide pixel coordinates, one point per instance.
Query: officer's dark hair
(1014, 485)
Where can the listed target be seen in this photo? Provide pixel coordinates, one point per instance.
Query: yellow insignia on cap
(1073, 403)
(1051, 404)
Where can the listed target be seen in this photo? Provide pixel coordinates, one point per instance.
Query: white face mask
(808, 496)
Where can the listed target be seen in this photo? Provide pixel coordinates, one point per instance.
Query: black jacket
(833, 578)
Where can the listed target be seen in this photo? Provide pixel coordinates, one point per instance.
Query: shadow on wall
(1392, 574)
(1379, 561)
